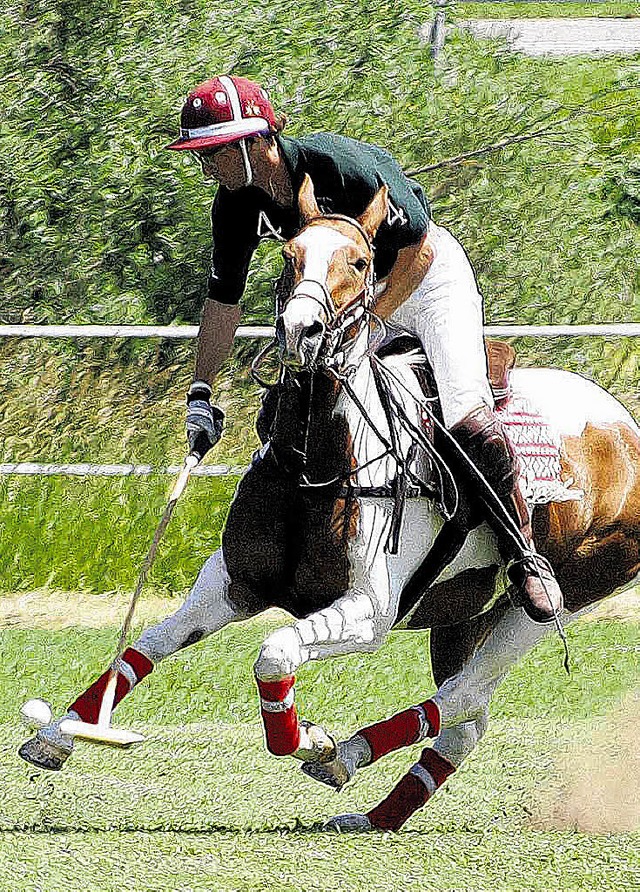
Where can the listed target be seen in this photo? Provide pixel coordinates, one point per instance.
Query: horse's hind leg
(207, 609)
(451, 647)
(463, 702)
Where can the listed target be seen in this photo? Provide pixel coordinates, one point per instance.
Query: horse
(344, 520)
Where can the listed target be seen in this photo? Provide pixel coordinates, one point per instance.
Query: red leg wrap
(279, 715)
(401, 729)
(407, 796)
(438, 767)
(88, 704)
(410, 793)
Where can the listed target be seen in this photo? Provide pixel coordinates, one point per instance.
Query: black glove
(204, 421)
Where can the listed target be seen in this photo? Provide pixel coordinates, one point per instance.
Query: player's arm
(410, 268)
(408, 218)
(233, 247)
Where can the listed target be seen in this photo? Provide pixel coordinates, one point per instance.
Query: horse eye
(360, 264)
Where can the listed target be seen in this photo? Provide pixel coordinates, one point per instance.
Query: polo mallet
(37, 713)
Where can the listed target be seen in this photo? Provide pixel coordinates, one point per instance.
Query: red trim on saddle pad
(402, 729)
(88, 704)
(536, 444)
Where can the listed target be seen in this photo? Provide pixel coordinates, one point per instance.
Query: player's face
(225, 165)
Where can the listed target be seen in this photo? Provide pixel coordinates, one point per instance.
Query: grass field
(534, 9)
(202, 806)
(120, 232)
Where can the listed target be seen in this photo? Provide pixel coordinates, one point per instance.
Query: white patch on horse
(569, 401)
(320, 244)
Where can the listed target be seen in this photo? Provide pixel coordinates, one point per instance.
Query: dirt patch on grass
(625, 606)
(600, 791)
(63, 610)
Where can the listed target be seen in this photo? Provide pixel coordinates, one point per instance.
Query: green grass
(202, 806)
(534, 9)
(92, 534)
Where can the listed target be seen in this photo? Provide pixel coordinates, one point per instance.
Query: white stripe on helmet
(234, 99)
(224, 129)
(236, 110)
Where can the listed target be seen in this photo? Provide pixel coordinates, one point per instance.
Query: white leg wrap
(351, 624)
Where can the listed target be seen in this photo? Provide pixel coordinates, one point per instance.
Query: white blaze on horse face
(305, 310)
(320, 243)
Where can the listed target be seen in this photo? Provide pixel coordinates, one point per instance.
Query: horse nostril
(313, 330)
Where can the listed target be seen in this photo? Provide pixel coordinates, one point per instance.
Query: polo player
(426, 285)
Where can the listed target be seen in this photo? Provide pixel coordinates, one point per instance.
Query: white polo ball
(36, 713)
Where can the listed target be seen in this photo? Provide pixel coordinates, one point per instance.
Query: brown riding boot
(482, 437)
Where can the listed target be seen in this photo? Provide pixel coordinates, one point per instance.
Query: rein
(357, 311)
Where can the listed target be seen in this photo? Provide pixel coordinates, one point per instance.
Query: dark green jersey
(346, 175)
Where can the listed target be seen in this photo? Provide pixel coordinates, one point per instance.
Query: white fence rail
(613, 330)
(86, 469)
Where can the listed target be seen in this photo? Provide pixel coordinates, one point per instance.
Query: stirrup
(544, 605)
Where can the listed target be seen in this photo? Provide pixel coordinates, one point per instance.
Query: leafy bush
(100, 224)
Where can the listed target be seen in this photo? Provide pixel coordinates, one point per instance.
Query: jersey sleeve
(234, 239)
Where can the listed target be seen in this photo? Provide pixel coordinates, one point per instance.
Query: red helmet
(224, 110)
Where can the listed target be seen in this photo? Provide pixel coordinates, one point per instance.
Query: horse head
(328, 279)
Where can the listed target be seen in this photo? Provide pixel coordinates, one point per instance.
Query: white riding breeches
(445, 313)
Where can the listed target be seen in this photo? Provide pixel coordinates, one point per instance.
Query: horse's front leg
(353, 623)
(206, 610)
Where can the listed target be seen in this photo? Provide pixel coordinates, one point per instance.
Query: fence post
(437, 33)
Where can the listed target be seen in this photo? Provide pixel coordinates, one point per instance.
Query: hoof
(315, 744)
(334, 774)
(348, 757)
(44, 754)
(351, 823)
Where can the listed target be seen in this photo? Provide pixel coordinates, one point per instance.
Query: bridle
(358, 312)
(339, 321)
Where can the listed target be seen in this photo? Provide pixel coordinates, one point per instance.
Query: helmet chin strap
(247, 163)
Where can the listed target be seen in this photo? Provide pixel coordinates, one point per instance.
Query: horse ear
(376, 213)
(307, 203)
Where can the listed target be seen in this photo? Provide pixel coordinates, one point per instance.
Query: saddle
(501, 358)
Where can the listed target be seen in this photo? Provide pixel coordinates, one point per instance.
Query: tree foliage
(98, 223)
